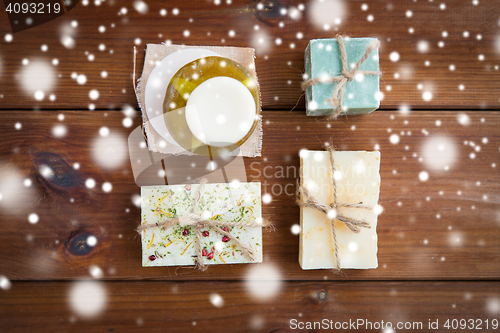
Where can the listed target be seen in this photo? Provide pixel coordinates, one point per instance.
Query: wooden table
(439, 239)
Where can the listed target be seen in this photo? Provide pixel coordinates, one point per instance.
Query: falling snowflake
(141, 7)
(216, 300)
(59, 131)
(90, 183)
(33, 218)
(427, 96)
(92, 241)
(95, 271)
(136, 200)
(5, 283)
(423, 46)
(263, 282)
(423, 176)
(463, 119)
(439, 152)
(295, 229)
(394, 139)
(36, 78)
(107, 187)
(88, 298)
(94, 94)
(394, 56)
(326, 13)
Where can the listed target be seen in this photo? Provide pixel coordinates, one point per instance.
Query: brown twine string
(347, 76)
(134, 84)
(313, 203)
(198, 223)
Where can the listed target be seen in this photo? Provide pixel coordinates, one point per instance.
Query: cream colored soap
(358, 181)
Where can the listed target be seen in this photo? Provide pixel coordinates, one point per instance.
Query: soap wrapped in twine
(332, 210)
(345, 77)
(198, 223)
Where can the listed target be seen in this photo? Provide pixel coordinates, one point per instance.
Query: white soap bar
(358, 181)
(220, 111)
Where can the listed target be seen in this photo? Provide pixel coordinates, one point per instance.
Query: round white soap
(220, 111)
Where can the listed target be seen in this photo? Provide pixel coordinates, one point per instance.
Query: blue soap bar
(323, 59)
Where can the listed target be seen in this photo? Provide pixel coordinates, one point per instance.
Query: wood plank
(188, 306)
(442, 228)
(279, 67)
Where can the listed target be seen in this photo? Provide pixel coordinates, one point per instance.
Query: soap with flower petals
(176, 246)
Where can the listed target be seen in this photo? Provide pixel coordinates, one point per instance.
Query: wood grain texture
(444, 228)
(187, 306)
(280, 50)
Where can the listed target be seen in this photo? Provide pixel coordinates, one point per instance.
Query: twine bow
(345, 77)
(198, 223)
(332, 210)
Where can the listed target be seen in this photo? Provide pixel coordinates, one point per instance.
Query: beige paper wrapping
(156, 52)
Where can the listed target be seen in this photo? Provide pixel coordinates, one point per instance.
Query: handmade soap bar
(358, 182)
(323, 60)
(212, 101)
(151, 91)
(175, 246)
(210, 111)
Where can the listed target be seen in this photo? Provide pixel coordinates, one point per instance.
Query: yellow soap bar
(358, 182)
